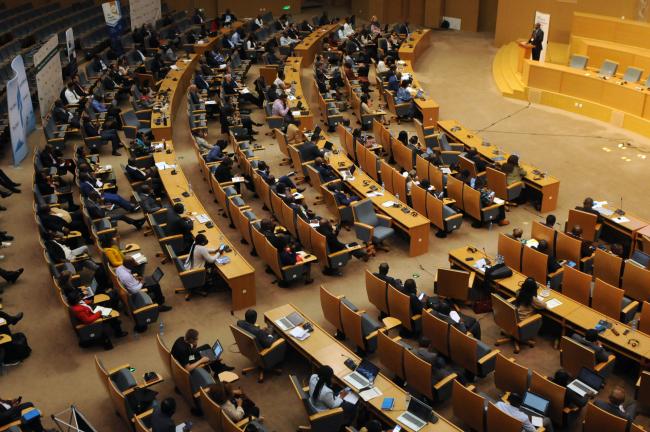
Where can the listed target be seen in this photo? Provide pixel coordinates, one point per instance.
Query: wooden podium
(525, 52)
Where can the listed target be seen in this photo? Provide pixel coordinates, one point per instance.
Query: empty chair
(369, 226)
(611, 301)
(608, 69)
(319, 421)
(454, 284)
(519, 331)
(578, 61)
(632, 74)
(473, 355)
(265, 359)
(469, 406)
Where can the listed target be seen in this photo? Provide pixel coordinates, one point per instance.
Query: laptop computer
(641, 258)
(588, 382)
(362, 376)
(214, 353)
(417, 415)
(535, 405)
(328, 146)
(294, 319)
(155, 277)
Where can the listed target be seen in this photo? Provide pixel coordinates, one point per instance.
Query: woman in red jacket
(83, 312)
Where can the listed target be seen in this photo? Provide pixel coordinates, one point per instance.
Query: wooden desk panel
(292, 76)
(415, 44)
(623, 31)
(543, 77)
(624, 98)
(238, 273)
(581, 85)
(321, 348)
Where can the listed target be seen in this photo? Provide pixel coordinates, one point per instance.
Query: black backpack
(16, 350)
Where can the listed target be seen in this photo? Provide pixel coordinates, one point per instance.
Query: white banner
(20, 110)
(49, 78)
(69, 44)
(144, 12)
(544, 20)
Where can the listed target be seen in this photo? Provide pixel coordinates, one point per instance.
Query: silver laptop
(363, 376)
(417, 415)
(290, 321)
(587, 383)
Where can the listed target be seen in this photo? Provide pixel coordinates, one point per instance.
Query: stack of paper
(203, 218)
(553, 303)
(621, 219)
(351, 398)
(481, 265)
(139, 258)
(299, 333)
(103, 310)
(387, 204)
(369, 394)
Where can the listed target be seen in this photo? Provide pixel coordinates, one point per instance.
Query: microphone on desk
(619, 211)
(487, 260)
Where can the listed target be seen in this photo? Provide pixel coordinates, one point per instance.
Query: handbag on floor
(17, 350)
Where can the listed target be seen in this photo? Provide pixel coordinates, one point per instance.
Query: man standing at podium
(536, 39)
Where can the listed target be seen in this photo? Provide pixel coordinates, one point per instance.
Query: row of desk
(321, 348)
(570, 313)
(238, 273)
(292, 78)
(547, 185)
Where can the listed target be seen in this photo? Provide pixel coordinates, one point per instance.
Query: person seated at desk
(526, 302)
(281, 107)
(550, 221)
(289, 256)
(135, 284)
(323, 398)
(403, 95)
(148, 201)
(234, 403)
(617, 249)
(588, 207)
(410, 289)
(178, 224)
(92, 129)
(277, 237)
(616, 405)
(381, 68)
(473, 155)
(514, 173)
(586, 247)
(517, 234)
(293, 134)
(372, 426)
(331, 235)
(161, 419)
(265, 172)
(265, 337)
(487, 199)
(200, 256)
(11, 411)
(572, 399)
(512, 409)
(392, 81)
(230, 87)
(135, 173)
(187, 352)
(97, 210)
(88, 186)
(287, 41)
(465, 323)
(195, 99)
(57, 220)
(83, 312)
(59, 252)
(383, 275)
(202, 84)
(200, 136)
(553, 265)
(327, 174)
(309, 151)
(590, 340)
(439, 368)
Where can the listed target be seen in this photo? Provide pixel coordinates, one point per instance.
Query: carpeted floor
(456, 71)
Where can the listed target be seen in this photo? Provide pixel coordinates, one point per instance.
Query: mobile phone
(397, 428)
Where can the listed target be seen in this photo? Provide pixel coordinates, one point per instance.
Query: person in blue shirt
(404, 96)
(393, 82)
(215, 154)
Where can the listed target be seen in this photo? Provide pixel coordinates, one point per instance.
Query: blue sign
(20, 110)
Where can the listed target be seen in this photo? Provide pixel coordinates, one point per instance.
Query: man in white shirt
(513, 410)
(285, 40)
(236, 38)
(134, 284)
(279, 80)
(70, 95)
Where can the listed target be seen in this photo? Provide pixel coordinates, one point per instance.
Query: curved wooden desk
(238, 273)
(415, 44)
(292, 77)
(312, 44)
(321, 348)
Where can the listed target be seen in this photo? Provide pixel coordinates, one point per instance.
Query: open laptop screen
(590, 378)
(368, 370)
(535, 403)
(420, 409)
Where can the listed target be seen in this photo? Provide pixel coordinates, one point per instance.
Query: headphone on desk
(633, 342)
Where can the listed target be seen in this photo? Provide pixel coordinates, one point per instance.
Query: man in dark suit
(177, 224)
(310, 151)
(94, 206)
(536, 40)
(383, 275)
(334, 244)
(325, 172)
(161, 419)
(92, 130)
(615, 404)
(264, 337)
(590, 340)
(148, 201)
(63, 116)
(588, 207)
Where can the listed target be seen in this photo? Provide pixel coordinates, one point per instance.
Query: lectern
(525, 52)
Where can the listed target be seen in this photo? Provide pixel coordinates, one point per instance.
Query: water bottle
(189, 184)
(161, 328)
(547, 291)
(382, 188)
(634, 325)
(407, 400)
(397, 196)
(188, 426)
